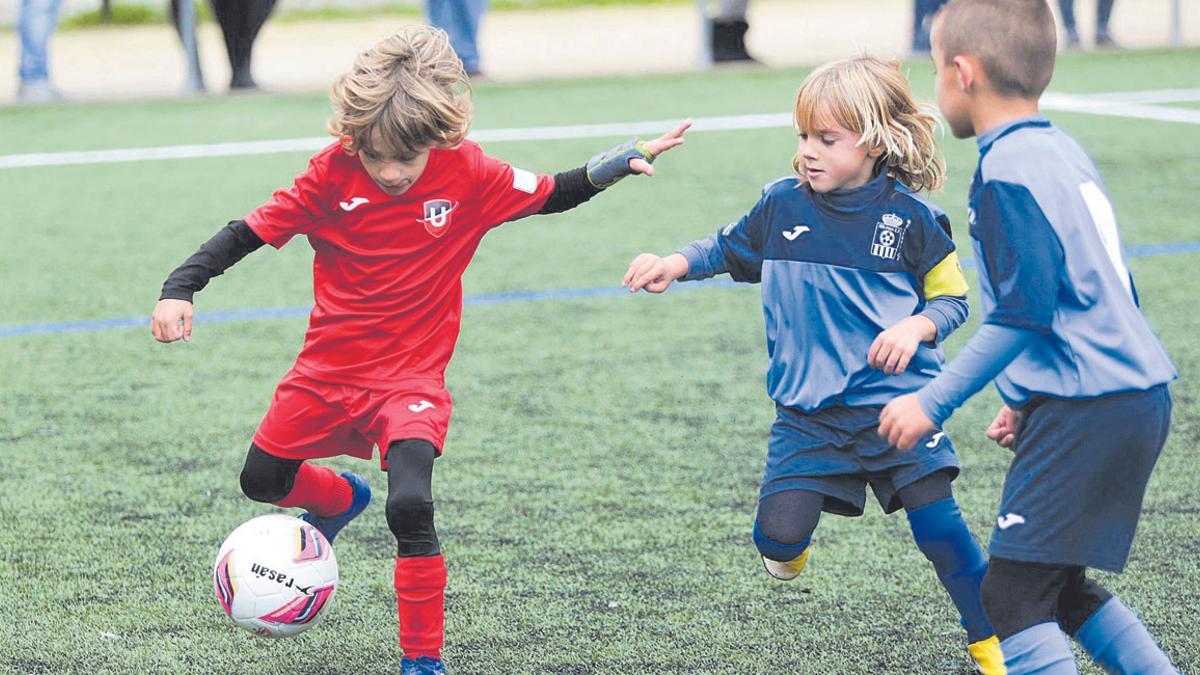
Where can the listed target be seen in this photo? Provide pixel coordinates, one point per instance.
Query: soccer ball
(275, 576)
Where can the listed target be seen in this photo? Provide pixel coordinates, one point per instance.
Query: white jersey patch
(524, 180)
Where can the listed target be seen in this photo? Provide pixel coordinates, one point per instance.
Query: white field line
(727, 123)
(1136, 97)
(1119, 104)
(1135, 105)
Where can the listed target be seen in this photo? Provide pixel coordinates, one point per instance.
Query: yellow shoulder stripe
(946, 278)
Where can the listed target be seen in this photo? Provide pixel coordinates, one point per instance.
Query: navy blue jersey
(836, 270)
(1051, 261)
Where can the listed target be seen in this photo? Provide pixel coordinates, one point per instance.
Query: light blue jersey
(836, 270)
(1051, 261)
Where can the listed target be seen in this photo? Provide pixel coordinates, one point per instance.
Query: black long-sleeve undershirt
(236, 240)
(571, 188)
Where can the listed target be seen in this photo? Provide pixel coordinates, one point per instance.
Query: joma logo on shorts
(418, 407)
(1009, 519)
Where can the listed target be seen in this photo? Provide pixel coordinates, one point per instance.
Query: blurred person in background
(460, 19)
(1103, 12)
(923, 11)
(36, 25)
(729, 28)
(240, 21)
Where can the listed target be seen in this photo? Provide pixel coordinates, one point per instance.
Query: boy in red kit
(394, 210)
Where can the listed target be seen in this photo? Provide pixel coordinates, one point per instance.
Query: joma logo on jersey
(437, 216)
(889, 235)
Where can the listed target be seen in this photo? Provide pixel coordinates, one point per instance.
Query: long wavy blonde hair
(872, 98)
(409, 91)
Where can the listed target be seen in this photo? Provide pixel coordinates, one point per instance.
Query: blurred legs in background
(923, 11)
(1103, 13)
(729, 28)
(460, 19)
(36, 25)
(240, 21)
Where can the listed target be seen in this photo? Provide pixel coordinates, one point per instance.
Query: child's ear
(967, 71)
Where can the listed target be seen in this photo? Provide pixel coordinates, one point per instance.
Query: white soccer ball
(275, 576)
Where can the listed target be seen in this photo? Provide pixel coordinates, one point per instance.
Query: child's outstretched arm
(654, 273)
(909, 417)
(735, 249)
(632, 157)
(574, 187)
(172, 317)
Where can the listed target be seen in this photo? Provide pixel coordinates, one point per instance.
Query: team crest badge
(889, 235)
(437, 216)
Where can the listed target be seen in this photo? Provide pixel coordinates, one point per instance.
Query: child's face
(952, 101)
(832, 158)
(392, 170)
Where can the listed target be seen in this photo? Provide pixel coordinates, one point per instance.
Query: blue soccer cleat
(331, 525)
(422, 665)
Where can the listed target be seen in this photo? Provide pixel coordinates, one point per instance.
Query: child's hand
(1003, 429)
(631, 157)
(658, 146)
(654, 273)
(903, 422)
(172, 320)
(894, 347)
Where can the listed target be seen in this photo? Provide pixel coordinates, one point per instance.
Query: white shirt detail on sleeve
(524, 180)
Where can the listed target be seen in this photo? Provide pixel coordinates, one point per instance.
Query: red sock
(420, 584)
(319, 490)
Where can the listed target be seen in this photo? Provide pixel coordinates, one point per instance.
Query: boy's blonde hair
(872, 98)
(1014, 40)
(411, 88)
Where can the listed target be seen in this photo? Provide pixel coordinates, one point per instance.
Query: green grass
(129, 15)
(600, 476)
(137, 14)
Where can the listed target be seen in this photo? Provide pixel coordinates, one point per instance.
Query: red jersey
(387, 274)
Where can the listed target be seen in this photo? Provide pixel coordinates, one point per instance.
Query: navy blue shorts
(1074, 491)
(838, 452)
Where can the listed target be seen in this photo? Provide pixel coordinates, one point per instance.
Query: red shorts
(309, 419)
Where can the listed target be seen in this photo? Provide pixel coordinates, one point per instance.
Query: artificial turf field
(600, 478)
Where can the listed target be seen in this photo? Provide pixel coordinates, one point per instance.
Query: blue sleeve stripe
(704, 259)
(1022, 254)
(947, 312)
(986, 355)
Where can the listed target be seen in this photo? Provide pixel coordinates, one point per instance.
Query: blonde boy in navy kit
(1083, 377)
(860, 285)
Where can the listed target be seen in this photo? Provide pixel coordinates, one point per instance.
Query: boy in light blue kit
(1083, 377)
(860, 284)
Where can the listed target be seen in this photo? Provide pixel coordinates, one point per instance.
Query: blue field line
(1141, 251)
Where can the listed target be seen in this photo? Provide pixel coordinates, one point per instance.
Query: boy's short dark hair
(1015, 40)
